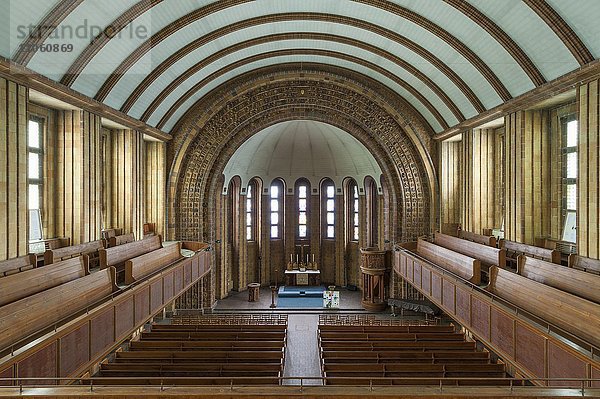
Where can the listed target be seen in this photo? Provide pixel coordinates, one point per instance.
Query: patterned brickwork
(210, 134)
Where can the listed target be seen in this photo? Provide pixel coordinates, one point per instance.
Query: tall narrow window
(276, 208)
(302, 210)
(354, 212)
(329, 210)
(249, 212)
(570, 160)
(35, 176)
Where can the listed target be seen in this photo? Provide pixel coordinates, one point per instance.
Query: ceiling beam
(546, 91)
(35, 81)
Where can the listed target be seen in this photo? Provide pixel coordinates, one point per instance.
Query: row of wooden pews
(17, 265)
(36, 299)
(206, 353)
(564, 297)
(404, 355)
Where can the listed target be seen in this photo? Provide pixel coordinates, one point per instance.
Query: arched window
(372, 211)
(328, 192)
(276, 205)
(352, 201)
(302, 194)
(251, 201)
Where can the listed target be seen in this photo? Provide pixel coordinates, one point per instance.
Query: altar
(302, 277)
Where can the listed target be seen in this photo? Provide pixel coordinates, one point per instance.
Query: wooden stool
(253, 292)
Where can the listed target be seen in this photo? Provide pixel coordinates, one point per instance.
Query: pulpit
(374, 284)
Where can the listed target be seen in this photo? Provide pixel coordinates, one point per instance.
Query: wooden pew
(144, 265)
(588, 265)
(576, 315)
(576, 282)
(89, 248)
(27, 316)
(488, 240)
(108, 233)
(514, 249)
(30, 282)
(117, 256)
(489, 256)
(120, 240)
(149, 229)
(459, 264)
(16, 265)
(450, 229)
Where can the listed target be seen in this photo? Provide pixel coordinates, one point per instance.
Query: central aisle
(302, 353)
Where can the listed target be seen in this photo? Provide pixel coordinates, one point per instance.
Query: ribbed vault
(450, 59)
(381, 120)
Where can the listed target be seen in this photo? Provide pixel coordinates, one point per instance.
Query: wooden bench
(488, 240)
(216, 355)
(398, 329)
(149, 229)
(386, 356)
(149, 263)
(27, 316)
(576, 282)
(89, 248)
(578, 316)
(16, 265)
(107, 234)
(451, 229)
(30, 282)
(210, 335)
(117, 256)
(120, 240)
(463, 266)
(514, 249)
(488, 255)
(588, 265)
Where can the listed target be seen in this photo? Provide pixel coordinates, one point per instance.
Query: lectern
(373, 273)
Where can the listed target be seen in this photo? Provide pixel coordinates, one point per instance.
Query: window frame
(565, 180)
(251, 190)
(280, 195)
(39, 181)
(302, 183)
(325, 198)
(353, 212)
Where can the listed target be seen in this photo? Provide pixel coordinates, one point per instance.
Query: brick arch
(210, 133)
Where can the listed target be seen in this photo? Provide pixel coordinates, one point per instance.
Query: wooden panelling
(14, 227)
(500, 327)
(479, 148)
(588, 207)
(562, 364)
(528, 165)
(102, 332)
(448, 293)
(530, 350)
(502, 332)
(41, 364)
(74, 350)
(125, 152)
(124, 317)
(77, 177)
(596, 376)
(450, 187)
(7, 373)
(480, 313)
(155, 185)
(106, 326)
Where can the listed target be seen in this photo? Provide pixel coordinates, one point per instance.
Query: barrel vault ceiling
(451, 59)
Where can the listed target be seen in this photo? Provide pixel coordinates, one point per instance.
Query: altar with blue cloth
(300, 296)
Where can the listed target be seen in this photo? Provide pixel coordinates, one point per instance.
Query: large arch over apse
(208, 135)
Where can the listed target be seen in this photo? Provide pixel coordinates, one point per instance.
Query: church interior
(316, 198)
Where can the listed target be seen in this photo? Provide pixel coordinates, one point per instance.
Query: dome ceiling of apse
(302, 148)
(451, 59)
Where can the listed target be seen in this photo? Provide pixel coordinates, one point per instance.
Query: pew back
(488, 240)
(108, 233)
(488, 255)
(89, 248)
(567, 311)
(451, 229)
(116, 256)
(27, 316)
(30, 282)
(576, 282)
(16, 265)
(459, 264)
(588, 265)
(144, 265)
(514, 249)
(120, 240)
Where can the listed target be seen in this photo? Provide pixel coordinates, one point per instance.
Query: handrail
(591, 348)
(57, 324)
(97, 381)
